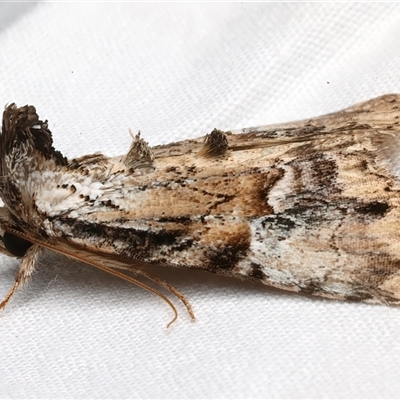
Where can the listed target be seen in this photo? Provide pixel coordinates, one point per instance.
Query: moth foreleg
(26, 269)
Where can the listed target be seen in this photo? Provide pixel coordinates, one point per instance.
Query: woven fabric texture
(174, 71)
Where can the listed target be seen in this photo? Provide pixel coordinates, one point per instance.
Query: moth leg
(26, 269)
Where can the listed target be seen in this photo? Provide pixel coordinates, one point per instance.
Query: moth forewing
(310, 206)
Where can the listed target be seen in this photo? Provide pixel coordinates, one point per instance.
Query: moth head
(23, 137)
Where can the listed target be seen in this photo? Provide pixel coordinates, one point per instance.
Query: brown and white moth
(310, 206)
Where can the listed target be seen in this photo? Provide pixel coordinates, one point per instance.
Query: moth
(310, 207)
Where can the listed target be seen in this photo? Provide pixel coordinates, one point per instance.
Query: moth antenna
(110, 270)
(128, 279)
(170, 288)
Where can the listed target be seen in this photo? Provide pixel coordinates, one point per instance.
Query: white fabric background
(176, 71)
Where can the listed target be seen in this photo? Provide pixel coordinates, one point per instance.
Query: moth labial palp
(310, 206)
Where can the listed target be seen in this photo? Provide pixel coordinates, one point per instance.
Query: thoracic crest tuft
(22, 127)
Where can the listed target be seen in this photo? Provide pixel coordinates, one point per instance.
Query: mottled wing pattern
(311, 206)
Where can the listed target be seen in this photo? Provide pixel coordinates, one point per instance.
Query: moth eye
(15, 245)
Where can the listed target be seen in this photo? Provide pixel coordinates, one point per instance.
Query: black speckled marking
(279, 220)
(257, 272)
(133, 243)
(228, 256)
(178, 220)
(378, 208)
(311, 286)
